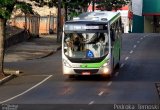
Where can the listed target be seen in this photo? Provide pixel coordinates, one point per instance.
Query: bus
(91, 44)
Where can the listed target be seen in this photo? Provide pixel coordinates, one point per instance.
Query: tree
(72, 8)
(6, 8)
(111, 4)
(75, 7)
(26, 8)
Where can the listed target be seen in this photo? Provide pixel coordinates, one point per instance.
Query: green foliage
(25, 7)
(111, 4)
(74, 7)
(69, 3)
(6, 3)
(7, 6)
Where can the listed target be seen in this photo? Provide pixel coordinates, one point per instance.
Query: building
(149, 19)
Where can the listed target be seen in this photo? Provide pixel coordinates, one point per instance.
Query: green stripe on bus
(94, 65)
(114, 18)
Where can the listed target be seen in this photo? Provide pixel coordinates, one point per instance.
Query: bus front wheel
(71, 76)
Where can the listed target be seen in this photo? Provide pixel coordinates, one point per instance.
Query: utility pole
(59, 22)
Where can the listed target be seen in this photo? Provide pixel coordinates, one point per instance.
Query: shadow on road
(88, 78)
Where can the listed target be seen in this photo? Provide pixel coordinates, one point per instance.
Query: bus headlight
(66, 71)
(106, 70)
(105, 64)
(66, 63)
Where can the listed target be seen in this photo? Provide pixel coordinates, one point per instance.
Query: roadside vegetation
(6, 8)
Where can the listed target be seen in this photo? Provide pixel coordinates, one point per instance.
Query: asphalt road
(42, 81)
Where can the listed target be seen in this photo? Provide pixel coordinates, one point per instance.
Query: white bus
(91, 44)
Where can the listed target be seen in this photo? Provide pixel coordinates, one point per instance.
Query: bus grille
(86, 70)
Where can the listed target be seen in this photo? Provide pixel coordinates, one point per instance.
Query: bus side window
(112, 34)
(117, 29)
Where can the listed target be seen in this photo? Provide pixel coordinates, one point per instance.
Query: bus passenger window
(112, 34)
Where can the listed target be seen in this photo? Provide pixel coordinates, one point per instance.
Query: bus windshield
(86, 45)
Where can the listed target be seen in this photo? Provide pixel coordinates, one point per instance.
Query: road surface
(135, 82)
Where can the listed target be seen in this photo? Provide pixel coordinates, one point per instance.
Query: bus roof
(96, 16)
(92, 21)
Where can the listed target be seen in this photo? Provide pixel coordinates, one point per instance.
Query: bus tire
(118, 65)
(112, 66)
(107, 76)
(71, 76)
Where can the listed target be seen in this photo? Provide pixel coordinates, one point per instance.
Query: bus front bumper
(87, 71)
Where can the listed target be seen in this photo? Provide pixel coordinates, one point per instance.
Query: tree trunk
(93, 5)
(2, 36)
(66, 12)
(25, 24)
(59, 22)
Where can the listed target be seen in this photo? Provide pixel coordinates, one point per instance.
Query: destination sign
(79, 27)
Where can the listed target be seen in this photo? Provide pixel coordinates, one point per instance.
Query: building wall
(148, 24)
(138, 24)
(151, 6)
(48, 25)
(37, 24)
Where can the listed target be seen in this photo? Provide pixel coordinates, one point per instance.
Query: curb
(50, 53)
(6, 79)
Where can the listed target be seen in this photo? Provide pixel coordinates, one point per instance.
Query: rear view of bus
(90, 44)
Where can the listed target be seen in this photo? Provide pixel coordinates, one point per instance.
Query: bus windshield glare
(86, 45)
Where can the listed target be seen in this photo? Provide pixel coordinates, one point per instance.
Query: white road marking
(117, 73)
(126, 58)
(122, 65)
(142, 38)
(131, 52)
(109, 83)
(91, 102)
(134, 46)
(26, 90)
(101, 93)
(138, 42)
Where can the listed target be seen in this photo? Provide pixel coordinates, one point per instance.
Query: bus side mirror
(65, 48)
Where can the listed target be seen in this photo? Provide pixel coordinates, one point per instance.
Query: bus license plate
(86, 73)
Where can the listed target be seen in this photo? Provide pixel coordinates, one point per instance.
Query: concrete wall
(32, 23)
(17, 38)
(37, 24)
(48, 25)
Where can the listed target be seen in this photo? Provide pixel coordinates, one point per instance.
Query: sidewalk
(32, 49)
